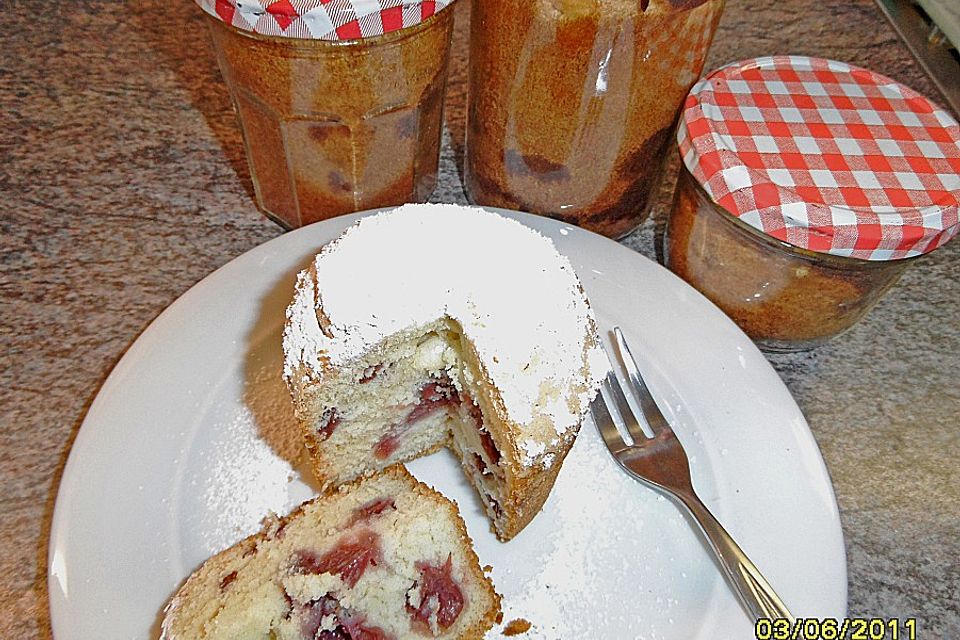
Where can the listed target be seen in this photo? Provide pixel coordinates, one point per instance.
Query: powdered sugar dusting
(251, 471)
(303, 341)
(595, 514)
(570, 554)
(248, 479)
(515, 297)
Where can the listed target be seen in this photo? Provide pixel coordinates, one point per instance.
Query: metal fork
(660, 462)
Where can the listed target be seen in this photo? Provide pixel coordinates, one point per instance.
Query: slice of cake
(381, 559)
(439, 325)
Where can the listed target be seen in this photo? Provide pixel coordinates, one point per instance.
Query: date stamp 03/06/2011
(836, 629)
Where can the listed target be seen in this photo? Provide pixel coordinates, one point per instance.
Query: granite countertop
(124, 182)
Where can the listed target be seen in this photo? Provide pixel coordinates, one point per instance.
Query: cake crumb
(516, 627)
(487, 568)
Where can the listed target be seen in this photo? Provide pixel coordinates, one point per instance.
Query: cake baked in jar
(807, 187)
(443, 345)
(340, 104)
(572, 103)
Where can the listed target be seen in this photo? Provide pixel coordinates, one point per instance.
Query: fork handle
(756, 594)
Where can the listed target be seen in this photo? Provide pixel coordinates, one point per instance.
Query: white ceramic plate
(188, 446)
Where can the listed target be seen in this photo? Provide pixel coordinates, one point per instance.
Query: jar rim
(759, 235)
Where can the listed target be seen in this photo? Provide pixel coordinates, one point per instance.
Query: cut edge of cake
(368, 398)
(374, 540)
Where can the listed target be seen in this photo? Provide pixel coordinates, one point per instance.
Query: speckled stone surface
(124, 183)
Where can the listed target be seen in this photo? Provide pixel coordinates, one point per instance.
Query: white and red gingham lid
(323, 19)
(826, 156)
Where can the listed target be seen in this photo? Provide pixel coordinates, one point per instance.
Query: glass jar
(572, 103)
(784, 297)
(808, 187)
(332, 127)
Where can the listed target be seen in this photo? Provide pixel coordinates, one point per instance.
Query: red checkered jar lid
(323, 19)
(825, 156)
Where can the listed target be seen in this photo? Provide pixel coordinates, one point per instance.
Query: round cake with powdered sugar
(440, 325)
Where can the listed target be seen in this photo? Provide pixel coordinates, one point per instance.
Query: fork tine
(638, 387)
(623, 408)
(604, 421)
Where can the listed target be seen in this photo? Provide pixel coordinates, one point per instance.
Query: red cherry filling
(360, 631)
(329, 421)
(434, 396)
(388, 444)
(376, 507)
(479, 463)
(372, 372)
(312, 614)
(349, 558)
(494, 504)
(371, 509)
(493, 454)
(347, 627)
(440, 596)
(227, 580)
(488, 445)
(474, 410)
